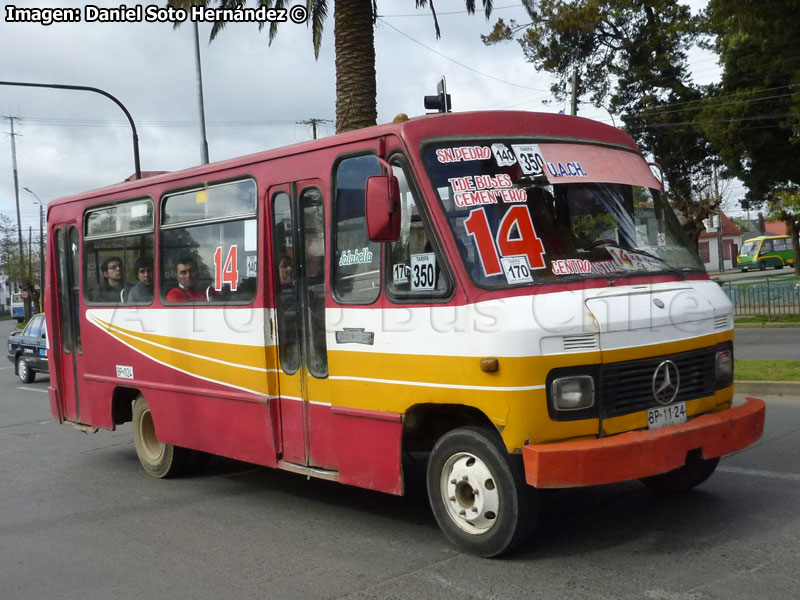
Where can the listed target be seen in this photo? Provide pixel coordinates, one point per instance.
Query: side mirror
(383, 208)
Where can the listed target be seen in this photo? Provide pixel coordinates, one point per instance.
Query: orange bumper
(642, 453)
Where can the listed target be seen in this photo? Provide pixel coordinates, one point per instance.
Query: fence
(766, 298)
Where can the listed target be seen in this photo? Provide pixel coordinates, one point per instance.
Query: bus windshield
(748, 249)
(522, 212)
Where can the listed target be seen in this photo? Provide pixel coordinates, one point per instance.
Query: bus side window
(766, 246)
(114, 238)
(356, 260)
(209, 240)
(416, 270)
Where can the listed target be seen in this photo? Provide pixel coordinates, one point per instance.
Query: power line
(460, 64)
(452, 12)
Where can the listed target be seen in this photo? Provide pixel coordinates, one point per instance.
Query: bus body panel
(212, 374)
(764, 254)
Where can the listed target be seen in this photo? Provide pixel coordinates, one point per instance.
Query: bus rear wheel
(159, 459)
(478, 492)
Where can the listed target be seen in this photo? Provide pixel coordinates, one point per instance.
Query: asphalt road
(760, 343)
(80, 519)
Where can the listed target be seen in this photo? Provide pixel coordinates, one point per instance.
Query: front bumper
(639, 454)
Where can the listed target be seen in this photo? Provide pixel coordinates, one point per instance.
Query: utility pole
(313, 123)
(574, 102)
(720, 255)
(19, 219)
(41, 243)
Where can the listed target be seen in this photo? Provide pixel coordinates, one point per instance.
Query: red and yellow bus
(507, 294)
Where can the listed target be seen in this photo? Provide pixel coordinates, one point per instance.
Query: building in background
(732, 237)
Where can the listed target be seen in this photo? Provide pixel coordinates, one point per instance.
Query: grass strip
(764, 319)
(767, 370)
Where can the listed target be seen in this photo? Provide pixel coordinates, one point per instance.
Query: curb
(763, 325)
(768, 388)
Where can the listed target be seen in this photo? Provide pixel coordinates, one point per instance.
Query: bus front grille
(627, 387)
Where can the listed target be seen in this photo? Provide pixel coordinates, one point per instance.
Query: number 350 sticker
(423, 271)
(530, 158)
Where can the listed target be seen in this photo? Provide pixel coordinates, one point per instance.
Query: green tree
(753, 115)
(354, 42)
(630, 58)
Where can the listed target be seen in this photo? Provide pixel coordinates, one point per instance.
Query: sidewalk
(768, 388)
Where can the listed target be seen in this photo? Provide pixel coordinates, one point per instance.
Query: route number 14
(525, 243)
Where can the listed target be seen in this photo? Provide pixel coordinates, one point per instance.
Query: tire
(159, 459)
(25, 373)
(478, 492)
(696, 470)
(779, 266)
(762, 266)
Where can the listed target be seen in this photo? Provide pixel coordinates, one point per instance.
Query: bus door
(69, 356)
(298, 236)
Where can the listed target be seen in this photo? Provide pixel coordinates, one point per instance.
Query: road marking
(28, 389)
(3, 368)
(761, 473)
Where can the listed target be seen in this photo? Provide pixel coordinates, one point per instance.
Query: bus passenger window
(356, 260)
(208, 244)
(115, 238)
(415, 268)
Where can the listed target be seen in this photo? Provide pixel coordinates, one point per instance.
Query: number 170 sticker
(517, 269)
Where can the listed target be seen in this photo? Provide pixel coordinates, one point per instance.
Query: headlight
(573, 393)
(723, 366)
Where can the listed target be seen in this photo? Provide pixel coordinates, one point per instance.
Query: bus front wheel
(159, 459)
(478, 492)
(696, 470)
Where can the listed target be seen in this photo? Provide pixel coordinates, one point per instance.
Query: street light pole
(86, 88)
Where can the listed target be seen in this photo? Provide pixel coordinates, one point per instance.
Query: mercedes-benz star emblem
(666, 380)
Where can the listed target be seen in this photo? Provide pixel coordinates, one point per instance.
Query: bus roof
(413, 131)
(765, 237)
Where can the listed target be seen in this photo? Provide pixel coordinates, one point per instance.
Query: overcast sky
(255, 94)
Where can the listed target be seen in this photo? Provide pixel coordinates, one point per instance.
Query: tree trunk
(794, 231)
(355, 65)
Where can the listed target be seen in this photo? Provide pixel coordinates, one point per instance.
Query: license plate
(664, 416)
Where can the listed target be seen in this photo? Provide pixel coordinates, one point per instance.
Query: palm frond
(318, 9)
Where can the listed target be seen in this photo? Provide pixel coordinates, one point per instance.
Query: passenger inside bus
(113, 286)
(142, 292)
(188, 288)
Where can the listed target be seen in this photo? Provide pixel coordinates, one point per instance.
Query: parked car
(27, 349)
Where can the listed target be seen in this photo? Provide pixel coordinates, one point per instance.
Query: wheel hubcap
(23, 369)
(469, 493)
(152, 449)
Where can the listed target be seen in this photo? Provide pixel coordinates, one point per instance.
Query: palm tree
(354, 33)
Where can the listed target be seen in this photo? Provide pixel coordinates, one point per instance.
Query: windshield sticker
(502, 155)
(571, 266)
(604, 267)
(451, 155)
(530, 158)
(662, 239)
(568, 169)
(423, 271)
(476, 190)
(633, 261)
(400, 273)
(355, 257)
(517, 269)
(516, 236)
